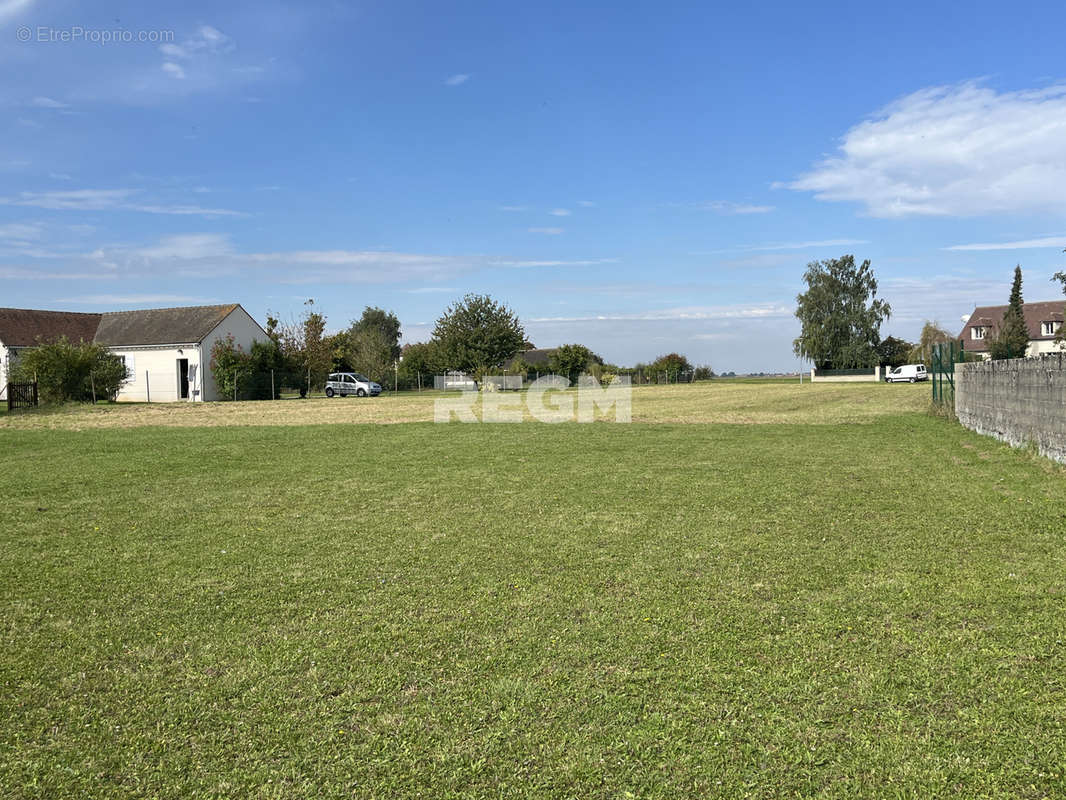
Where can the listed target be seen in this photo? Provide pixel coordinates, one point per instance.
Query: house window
(127, 362)
(1050, 328)
(978, 331)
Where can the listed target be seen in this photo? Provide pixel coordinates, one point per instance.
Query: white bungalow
(167, 351)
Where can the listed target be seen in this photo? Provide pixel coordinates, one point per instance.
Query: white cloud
(59, 176)
(808, 245)
(214, 39)
(432, 290)
(585, 203)
(199, 62)
(78, 199)
(105, 199)
(560, 212)
(211, 255)
(206, 39)
(187, 246)
(757, 311)
(1024, 244)
(12, 8)
(185, 210)
(135, 299)
(726, 207)
(944, 298)
(22, 232)
(31, 274)
(585, 263)
(173, 50)
(47, 102)
(174, 70)
(768, 260)
(960, 150)
(548, 231)
(456, 80)
(512, 208)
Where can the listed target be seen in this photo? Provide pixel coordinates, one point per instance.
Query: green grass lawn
(573, 611)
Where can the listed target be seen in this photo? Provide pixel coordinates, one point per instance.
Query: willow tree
(932, 335)
(840, 315)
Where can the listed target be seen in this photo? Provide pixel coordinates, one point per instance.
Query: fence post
(147, 387)
(92, 383)
(234, 385)
(272, 385)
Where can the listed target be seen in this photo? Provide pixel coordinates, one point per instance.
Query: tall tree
(840, 314)
(1061, 278)
(893, 352)
(369, 352)
(385, 323)
(1012, 337)
(922, 352)
(476, 334)
(305, 346)
(421, 361)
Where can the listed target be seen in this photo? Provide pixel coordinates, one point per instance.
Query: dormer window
(1050, 328)
(978, 331)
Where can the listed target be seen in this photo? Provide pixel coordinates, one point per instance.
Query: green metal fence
(943, 359)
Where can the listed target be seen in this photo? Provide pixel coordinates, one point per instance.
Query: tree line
(475, 335)
(840, 318)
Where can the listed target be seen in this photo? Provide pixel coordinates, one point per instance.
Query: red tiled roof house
(1042, 319)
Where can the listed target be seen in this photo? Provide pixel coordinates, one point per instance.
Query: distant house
(167, 351)
(1042, 319)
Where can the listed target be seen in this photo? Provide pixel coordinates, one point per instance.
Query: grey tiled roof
(186, 325)
(22, 327)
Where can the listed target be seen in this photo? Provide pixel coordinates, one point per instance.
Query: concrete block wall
(1019, 401)
(874, 376)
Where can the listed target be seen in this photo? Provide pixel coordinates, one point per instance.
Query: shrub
(570, 360)
(67, 371)
(671, 363)
(231, 367)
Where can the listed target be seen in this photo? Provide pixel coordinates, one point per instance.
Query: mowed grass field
(733, 401)
(869, 606)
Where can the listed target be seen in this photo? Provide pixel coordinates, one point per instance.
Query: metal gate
(21, 395)
(944, 357)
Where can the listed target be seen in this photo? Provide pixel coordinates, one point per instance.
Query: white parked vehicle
(346, 383)
(908, 372)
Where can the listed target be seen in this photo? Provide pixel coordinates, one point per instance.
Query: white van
(346, 383)
(908, 372)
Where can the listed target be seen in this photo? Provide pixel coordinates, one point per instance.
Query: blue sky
(637, 177)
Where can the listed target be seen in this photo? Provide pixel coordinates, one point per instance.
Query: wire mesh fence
(454, 381)
(504, 383)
